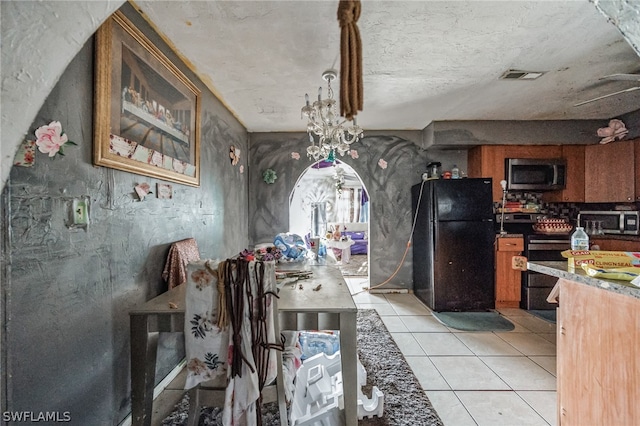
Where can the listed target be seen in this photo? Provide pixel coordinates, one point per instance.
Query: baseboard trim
(389, 291)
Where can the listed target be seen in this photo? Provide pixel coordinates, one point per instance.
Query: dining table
(320, 299)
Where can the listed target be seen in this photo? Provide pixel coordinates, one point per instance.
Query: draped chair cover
(240, 356)
(206, 344)
(180, 254)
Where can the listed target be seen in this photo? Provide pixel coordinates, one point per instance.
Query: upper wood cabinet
(607, 173)
(610, 172)
(574, 191)
(636, 149)
(488, 160)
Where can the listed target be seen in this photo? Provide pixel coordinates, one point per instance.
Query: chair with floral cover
(232, 338)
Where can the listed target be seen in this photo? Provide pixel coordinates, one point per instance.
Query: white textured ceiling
(422, 60)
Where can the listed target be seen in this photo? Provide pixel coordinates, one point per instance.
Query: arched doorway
(330, 195)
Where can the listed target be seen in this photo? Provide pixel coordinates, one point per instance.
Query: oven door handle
(548, 246)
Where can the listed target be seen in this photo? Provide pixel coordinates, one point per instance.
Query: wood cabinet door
(610, 172)
(636, 148)
(597, 356)
(488, 161)
(508, 289)
(574, 191)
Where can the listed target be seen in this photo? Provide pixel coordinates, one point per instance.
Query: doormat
(474, 321)
(545, 314)
(405, 402)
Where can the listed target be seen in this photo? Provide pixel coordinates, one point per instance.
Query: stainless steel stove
(535, 286)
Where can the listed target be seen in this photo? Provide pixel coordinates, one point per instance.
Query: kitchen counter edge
(559, 270)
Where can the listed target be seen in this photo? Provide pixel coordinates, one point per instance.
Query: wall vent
(520, 75)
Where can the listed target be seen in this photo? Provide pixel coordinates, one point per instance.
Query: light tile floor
(492, 378)
(471, 379)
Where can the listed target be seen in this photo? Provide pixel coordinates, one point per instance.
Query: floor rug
(358, 266)
(474, 321)
(546, 314)
(405, 403)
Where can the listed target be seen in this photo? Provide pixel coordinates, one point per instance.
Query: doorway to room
(330, 196)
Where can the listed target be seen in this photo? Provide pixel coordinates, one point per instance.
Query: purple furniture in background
(360, 243)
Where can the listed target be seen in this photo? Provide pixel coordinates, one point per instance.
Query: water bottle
(579, 239)
(455, 172)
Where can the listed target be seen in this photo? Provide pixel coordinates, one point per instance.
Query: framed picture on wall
(147, 112)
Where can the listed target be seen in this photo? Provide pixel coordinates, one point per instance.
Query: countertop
(591, 237)
(559, 270)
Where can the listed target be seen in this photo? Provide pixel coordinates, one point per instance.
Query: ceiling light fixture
(334, 133)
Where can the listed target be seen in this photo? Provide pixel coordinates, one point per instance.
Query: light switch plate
(80, 212)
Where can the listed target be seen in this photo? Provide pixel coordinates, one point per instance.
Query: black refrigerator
(453, 244)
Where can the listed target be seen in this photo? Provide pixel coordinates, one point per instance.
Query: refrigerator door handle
(435, 241)
(433, 196)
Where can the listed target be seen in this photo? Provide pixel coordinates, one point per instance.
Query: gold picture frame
(147, 112)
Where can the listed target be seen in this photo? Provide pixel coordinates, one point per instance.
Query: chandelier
(334, 133)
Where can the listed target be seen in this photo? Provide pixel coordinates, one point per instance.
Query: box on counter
(601, 259)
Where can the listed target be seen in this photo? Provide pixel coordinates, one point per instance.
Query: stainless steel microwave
(535, 174)
(613, 222)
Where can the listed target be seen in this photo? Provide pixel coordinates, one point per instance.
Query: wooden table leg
(349, 355)
(144, 349)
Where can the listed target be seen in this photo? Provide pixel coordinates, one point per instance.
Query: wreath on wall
(269, 176)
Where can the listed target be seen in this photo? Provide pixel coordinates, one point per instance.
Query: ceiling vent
(520, 75)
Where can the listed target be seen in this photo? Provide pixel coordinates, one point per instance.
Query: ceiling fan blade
(623, 77)
(631, 89)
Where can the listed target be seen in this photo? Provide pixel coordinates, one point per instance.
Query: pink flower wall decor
(50, 139)
(295, 155)
(382, 163)
(353, 153)
(615, 130)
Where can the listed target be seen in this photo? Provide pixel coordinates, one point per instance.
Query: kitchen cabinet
(597, 356)
(574, 191)
(508, 279)
(488, 160)
(610, 172)
(636, 150)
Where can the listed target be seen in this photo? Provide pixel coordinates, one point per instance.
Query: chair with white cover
(232, 339)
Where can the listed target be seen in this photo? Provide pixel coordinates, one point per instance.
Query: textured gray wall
(68, 291)
(461, 134)
(389, 191)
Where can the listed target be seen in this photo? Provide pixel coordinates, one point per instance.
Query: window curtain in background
(364, 207)
(349, 205)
